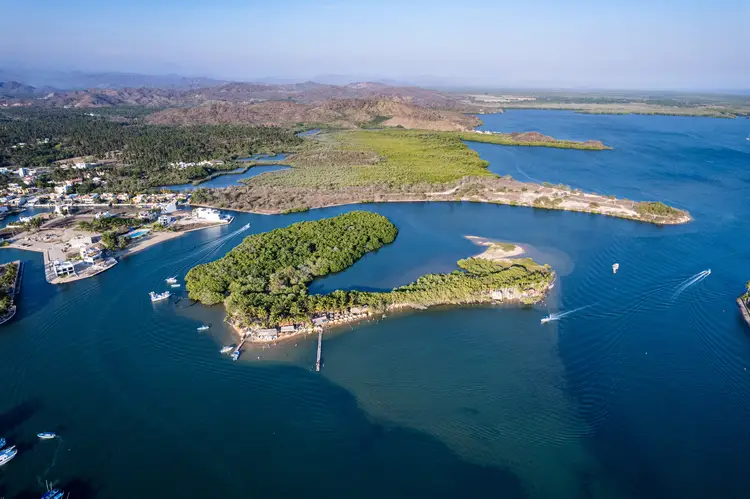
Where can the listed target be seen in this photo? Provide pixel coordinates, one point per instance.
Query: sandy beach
(496, 250)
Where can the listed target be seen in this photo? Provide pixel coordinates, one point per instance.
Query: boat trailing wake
(690, 281)
(556, 316)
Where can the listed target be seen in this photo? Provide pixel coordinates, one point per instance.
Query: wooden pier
(320, 350)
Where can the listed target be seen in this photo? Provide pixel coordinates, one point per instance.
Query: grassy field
(393, 157)
(506, 139)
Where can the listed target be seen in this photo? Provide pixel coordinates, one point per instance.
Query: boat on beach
(159, 296)
(203, 328)
(46, 435)
(8, 454)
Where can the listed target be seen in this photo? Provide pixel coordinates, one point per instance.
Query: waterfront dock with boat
(73, 253)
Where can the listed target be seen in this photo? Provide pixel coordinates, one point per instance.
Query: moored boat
(171, 280)
(176, 285)
(46, 435)
(8, 454)
(159, 296)
(236, 354)
(203, 328)
(227, 349)
(54, 494)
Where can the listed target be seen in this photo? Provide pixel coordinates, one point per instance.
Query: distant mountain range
(234, 93)
(80, 80)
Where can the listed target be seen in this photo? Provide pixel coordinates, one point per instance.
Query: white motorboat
(159, 296)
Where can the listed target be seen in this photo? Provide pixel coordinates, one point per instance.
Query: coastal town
(82, 235)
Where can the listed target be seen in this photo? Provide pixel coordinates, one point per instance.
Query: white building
(208, 214)
(63, 268)
(166, 220)
(62, 189)
(90, 254)
(170, 207)
(102, 215)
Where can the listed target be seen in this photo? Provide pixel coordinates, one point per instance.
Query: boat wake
(556, 316)
(690, 281)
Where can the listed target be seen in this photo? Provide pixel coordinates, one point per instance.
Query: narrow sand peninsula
(496, 250)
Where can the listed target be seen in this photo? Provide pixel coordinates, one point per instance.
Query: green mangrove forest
(264, 281)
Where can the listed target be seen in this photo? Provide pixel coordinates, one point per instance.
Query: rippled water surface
(644, 394)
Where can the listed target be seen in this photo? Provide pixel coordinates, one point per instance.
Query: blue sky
(655, 44)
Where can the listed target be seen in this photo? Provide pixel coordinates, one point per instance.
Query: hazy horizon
(696, 45)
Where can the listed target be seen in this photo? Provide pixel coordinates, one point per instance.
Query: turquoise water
(137, 233)
(645, 394)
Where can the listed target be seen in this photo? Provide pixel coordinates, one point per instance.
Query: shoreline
(137, 246)
(686, 218)
(14, 293)
(744, 310)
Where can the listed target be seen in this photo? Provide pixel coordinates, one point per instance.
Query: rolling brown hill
(245, 93)
(347, 113)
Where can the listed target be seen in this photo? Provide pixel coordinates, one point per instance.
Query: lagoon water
(644, 394)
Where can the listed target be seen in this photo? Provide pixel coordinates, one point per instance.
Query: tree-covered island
(744, 303)
(264, 281)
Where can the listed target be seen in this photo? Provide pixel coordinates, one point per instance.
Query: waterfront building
(287, 329)
(209, 214)
(91, 254)
(267, 334)
(63, 268)
(166, 220)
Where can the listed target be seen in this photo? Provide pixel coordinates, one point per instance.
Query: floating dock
(320, 350)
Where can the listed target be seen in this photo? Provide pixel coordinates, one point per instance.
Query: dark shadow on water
(80, 489)
(16, 416)
(333, 449)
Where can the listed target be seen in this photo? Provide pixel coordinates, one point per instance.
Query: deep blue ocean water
(644, 394)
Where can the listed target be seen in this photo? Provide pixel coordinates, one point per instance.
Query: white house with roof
(63, 268)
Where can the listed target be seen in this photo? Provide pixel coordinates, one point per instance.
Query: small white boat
(159, 296)
(227, 349)
(546, 319)
(8, 454)
(615, 268)
(176, 285)
(236, 354)
(46, 435)
(203, 328)
(171, 280)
